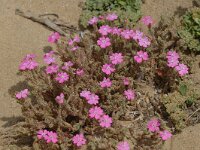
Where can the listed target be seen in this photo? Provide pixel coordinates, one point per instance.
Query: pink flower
(62, 77)
(127, 34)
(54, 37)
(41, 134)
(95, 112)
(123, 146)
(182, 69)
(48, 58)
(147, 20)
(137, 35)
(22, 94)
(77, 39)
(101, 17)
(116, 31)
(111, 17)
(106, 83)
(67, 65)
(60, 98)
(144, 42)
(108, 69)
(129, 94)
(70, 42)
(103, 42)
(93, 21)
(141, 56)
(28, 63)
(172, 62)
(116, 58)
(172, 59)
(80, 72)
(172, 55)
(51, 137)
(74, 48)
(105, 121)
(126, 81)
(92, 99)
(85, 94)
(153, 125)
(165, 135)
(79, 140)
(52, 69)
(105, 29)
(29, 57)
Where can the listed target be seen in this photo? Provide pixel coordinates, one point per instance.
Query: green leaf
(122, 3)
(183, 89)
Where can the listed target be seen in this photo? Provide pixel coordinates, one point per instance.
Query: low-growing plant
(178, 102)
(190, 30)
(88, 93)
(126, 9)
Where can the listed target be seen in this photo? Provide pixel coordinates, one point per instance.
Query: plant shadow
(18, 87)
(10, 121)
(180, 11)
(47, 49)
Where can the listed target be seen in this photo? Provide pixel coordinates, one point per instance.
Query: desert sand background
(19, 36)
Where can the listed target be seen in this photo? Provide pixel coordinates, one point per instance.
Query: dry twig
(52, 23)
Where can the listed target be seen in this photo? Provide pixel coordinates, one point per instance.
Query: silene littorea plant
(90, 83)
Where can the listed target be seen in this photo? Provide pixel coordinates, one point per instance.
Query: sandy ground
(166, 8)
(20, 36)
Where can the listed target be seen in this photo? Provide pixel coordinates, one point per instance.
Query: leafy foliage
(190, 30)
(177, 103)
(126, 9)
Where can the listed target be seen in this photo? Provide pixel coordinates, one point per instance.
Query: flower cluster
(96, 112)
(126, 81)
(116, 58)
(147, 20)
(127, 34)
(137, 36)
(108, 69)
(123, 146)
(73, 43)
(60, 98)
(48, 58)
(22, 94)
(79, 140)
(79, 72)
(52, 69)
(141, 56)
(62, 77)
(67, 65)
(154, 126)
(104, 42)
(28, 63)
(106, 83)
(108, 17)
(91, 98)
(54, 37)
(48, 136)
(173, 62)
(129, 94)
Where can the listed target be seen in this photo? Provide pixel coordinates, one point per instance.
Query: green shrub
(125, 9)
(178, 102)
(190, 30)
